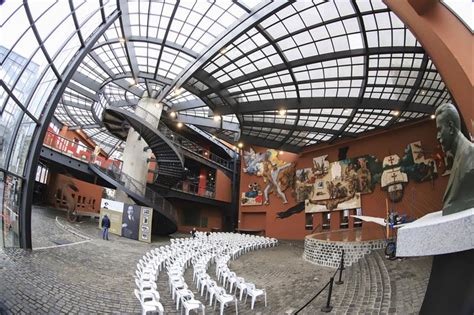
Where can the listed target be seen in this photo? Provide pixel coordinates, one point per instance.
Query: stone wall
(328, 253)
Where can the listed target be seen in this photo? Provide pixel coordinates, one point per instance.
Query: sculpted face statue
(448, 124)
(459, 194)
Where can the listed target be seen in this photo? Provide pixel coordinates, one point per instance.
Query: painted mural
(340, 186)
(415, 163)
(277, 174)
(252, 197)
(393, 179)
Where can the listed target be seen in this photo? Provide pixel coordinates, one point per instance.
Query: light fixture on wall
(173, 114)
(240, 145)
(179, 124)
(433, 116)
(280, 153)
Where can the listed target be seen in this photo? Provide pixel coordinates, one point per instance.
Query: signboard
(146, 217)
(114, 210)
(130, 221)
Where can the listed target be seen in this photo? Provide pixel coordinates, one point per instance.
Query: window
(358, 222)
(326, 220)
(345, 219)
(309, 221)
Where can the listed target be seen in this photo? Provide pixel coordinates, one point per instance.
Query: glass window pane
(22, 145)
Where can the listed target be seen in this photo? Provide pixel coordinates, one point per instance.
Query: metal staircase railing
(194, 148)
(156, 200)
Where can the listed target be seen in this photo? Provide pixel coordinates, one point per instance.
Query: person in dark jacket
(105, 225)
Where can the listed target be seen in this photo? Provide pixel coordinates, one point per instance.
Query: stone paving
(96, 276)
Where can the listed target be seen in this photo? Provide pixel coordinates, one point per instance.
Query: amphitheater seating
(171, 261)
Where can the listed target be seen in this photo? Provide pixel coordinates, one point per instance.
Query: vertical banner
(131, 221)
(146, 218)
(114, 210)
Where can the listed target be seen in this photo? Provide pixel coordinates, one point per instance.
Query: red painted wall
(427, 196)
(212, 213)
(89, 194)
(223, 187)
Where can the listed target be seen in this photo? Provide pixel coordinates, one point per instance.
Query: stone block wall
(328, 253)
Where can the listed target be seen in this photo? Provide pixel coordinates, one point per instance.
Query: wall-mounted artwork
(348, 202)
(304, 183)
(417, 166)
(252, 197)
(320, 166)
(341, 183)
(277, 174)
(393, 178)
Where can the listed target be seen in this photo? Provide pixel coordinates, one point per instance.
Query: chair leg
(265, 299)
(253, 301)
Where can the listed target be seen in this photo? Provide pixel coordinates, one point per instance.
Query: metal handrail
(327, 308)
(141, 189)
(181, 141)
(193, 189)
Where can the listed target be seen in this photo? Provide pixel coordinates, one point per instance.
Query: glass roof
(279, 74)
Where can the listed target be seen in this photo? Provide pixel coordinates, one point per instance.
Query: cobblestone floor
(92, 276)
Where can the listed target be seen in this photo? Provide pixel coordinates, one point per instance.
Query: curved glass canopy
(278, 74)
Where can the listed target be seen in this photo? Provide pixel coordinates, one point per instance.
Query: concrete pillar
(135, 163)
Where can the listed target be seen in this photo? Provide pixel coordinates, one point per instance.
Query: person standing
(106, 226)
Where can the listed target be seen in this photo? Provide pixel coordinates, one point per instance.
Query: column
(135, 163)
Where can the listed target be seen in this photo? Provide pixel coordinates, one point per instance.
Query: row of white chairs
(200, 251)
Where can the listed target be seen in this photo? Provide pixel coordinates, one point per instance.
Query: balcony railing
(195, 189)
(77, 150)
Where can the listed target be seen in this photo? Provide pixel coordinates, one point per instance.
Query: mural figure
(278, 175)
(393, 178)
(304, 182)
(253, 162)
(252, 197)
(320, 166)
(274, 180)
(416, 165)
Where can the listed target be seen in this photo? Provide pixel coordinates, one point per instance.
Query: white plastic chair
(224, 299)
(254, 293)
(189, 304)
(150, 305)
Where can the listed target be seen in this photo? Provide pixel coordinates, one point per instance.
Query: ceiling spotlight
(217, 118)
(281, 152)
(173, 114)
(433, 116)
(213, 137)
(122, 40)
(224, 50)
(240, 145)
(179, 125)
(396, 113)
(205, 152)
(178, 91)
(282, 112)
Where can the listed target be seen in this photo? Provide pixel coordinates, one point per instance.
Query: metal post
(328, 307)
(341, 268)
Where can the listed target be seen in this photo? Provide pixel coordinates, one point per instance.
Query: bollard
(341, 268)
(328, 307)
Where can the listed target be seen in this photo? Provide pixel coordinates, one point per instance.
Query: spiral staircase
(169, 159)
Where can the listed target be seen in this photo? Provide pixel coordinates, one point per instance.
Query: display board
(130, 221)
(146, 217)
(114, 210)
